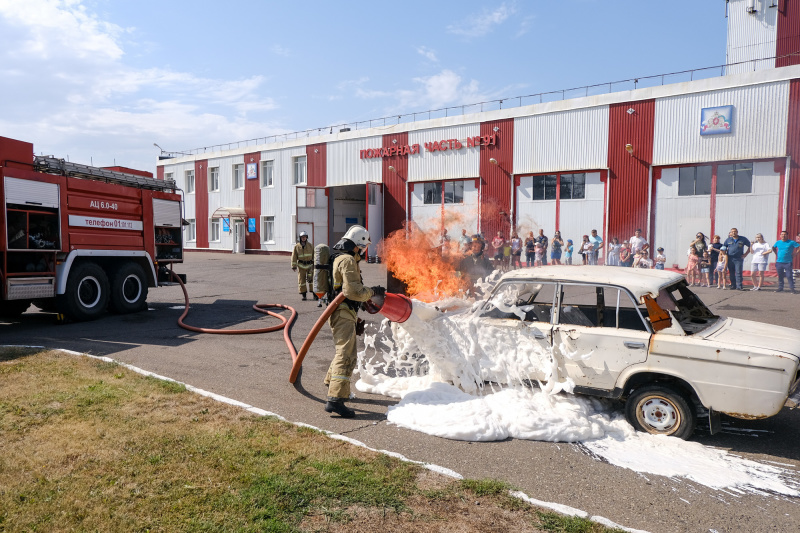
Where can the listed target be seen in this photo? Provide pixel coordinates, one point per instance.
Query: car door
(599, 331)
(516, 330)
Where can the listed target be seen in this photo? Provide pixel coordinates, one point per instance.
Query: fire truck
(78, 239)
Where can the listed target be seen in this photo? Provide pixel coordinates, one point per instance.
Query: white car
(644, 337)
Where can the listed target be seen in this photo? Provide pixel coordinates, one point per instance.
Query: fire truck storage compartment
(33, 237)
(167, 223)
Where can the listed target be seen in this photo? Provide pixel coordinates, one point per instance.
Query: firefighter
(303, 264)
(346, 276)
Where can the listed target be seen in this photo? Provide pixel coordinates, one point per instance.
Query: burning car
(642, 336)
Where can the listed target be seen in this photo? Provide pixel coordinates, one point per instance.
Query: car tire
(13, 308)
(661, 410)
(128, 289)
(86, 296)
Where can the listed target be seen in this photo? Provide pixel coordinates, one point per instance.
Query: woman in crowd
(612, 258)
(585, 249)
(692, 272)
(516, 250)
(722, 269)
(760, 250)
(625, 256)
(555, 246)
(529, 249)
(713, 249)
(699, 243)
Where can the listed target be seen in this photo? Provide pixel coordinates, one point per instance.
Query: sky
(101, 81)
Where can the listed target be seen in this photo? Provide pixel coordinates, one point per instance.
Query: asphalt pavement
(255, 368)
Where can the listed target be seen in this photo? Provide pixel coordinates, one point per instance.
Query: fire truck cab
(79, 239)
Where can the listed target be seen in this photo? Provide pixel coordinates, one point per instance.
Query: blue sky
(100, 81)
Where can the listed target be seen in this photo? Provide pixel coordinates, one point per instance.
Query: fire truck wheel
(129, 289)
(13, 308)
(86, 297)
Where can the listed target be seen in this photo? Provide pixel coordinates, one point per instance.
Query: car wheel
(660, 410)
(13, 308)
(129, 289)
(86, 297)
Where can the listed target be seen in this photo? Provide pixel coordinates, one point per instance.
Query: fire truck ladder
(52, 165)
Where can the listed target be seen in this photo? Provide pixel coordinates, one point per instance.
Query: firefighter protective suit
(347, 278)
(303, 261)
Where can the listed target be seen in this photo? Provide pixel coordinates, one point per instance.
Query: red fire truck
(78, 239)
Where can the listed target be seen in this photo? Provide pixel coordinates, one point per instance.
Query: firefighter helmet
(359, 235)
(304, 234)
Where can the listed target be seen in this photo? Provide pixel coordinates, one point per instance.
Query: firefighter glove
(360, 324)
(377, 290)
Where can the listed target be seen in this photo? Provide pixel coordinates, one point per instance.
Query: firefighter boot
(303, 295)
(337, 406)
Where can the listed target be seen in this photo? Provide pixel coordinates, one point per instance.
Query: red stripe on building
(792, 222)
(252, 202)
(394, 199)
(628, 172)
(317, 164)
(201, 202)
(496, 178)
(651, 230)
(788, 34)
(160, 173)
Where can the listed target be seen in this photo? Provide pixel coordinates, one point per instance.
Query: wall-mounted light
(392, 168)
(631, 111)
(493, 161)
(496, 128)
(629, 149)
(316, 150)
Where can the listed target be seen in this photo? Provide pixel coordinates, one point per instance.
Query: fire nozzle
(395, 307)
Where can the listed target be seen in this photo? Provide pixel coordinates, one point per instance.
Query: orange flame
(415, 257)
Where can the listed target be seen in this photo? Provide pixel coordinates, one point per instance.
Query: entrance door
(238, 237)
(374, 217)
(312, 213)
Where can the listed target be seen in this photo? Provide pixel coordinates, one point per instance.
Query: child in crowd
(568, 252)
(722, 269)
(692, 273)
(705, 270)
(661, 259)
(644, 261)
(507, 255)
(538, 254)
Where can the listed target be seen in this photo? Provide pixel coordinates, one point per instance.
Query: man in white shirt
(637, 242)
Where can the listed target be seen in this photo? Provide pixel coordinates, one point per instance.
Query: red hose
(297, 358)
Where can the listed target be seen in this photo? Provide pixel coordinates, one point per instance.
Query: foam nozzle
(395, 307)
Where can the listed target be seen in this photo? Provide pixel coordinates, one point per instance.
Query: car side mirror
(659, 318)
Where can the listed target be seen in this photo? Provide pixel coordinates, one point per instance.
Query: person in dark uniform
(475, 265)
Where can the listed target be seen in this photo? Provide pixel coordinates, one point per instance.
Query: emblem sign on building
(716, 120)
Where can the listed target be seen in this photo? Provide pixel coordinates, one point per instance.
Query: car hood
(756, 335)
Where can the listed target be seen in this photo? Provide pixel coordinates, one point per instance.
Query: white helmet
(304, 234)
(359, 235)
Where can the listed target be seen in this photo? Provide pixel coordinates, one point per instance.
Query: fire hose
(297, 357)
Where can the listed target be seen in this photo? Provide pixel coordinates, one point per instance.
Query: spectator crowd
(710, 262)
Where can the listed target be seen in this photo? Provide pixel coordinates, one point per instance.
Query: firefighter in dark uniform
(346, 278)
(303, 264)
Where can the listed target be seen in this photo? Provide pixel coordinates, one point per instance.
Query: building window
(267, 169)
(189, 174)
(694, 181)
(213, 179)
(214, 233)
(432, 193)
(735, 179)
(191, 230)
(544, 187)
(573, 186)
(299, 170)
(454, 192)
(238, 176)
(268, 229)
(167, 176)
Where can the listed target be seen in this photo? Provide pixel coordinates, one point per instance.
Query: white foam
(438, 363)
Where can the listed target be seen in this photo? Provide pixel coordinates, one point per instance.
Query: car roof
(639, 281)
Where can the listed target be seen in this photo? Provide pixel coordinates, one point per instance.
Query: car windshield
(687, 308)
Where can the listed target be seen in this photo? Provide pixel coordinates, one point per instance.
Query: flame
(414, 257)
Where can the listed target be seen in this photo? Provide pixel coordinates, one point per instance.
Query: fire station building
(673, 159)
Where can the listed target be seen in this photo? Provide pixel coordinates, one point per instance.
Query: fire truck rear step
(31, 288)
